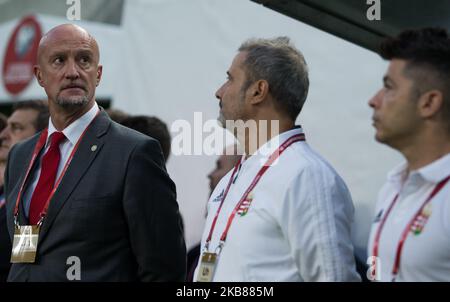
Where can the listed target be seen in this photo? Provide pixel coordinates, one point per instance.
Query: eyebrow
(56, 54)
(85, 52)
(14, 123)
(78, 52)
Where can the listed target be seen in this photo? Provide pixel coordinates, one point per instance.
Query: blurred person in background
(117, 115)
(3, 123)
(153, 127)
(27, 119)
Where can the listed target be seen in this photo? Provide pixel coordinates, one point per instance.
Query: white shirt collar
(76, 128)
(270, 146)
(433, 172)
(437, 170)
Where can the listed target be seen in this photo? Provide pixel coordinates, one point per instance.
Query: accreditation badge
(25, 244)
(207, 267)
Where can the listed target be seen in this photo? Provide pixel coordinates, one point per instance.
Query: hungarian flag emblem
(243, 208)
(421, 219)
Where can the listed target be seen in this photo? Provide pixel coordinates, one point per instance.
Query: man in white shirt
(282, 214)
(410, 236)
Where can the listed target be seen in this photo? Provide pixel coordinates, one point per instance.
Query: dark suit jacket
(5, 245)
(115, 209)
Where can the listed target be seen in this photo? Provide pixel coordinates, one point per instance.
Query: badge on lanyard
(26, 236)
(207, 267)
(25, 243)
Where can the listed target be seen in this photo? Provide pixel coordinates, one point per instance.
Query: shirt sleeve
(319, 213)
(445, 215)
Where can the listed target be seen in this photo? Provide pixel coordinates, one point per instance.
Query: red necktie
(50, 163)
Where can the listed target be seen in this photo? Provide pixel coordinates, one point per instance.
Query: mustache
(74, 85)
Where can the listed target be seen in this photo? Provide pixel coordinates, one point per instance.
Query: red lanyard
(272, 158)
(37, 149)
(398, 254)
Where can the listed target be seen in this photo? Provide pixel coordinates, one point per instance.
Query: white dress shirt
(72, 132)
(297, 227)
(426, 256)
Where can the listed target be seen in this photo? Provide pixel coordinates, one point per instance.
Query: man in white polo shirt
(410, 236)
(283, 213)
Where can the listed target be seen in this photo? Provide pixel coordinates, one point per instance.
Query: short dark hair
(425, 49)
(283, 66)
(153, 127)
(40, 106)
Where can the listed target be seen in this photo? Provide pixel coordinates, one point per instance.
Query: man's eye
(58, 60)
(84, 60)
(16, 128)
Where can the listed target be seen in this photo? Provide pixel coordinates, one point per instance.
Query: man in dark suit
(98, 191)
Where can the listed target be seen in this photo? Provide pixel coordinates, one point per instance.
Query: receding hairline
(45, 38)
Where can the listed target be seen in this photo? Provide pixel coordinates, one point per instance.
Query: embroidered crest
(419, 223)
(243, 208)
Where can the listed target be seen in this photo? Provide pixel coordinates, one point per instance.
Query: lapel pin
(93, 148)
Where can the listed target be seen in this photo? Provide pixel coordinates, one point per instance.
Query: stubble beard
(72, 102)
(221, 120)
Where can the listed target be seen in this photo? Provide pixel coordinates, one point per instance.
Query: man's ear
(430, 103)
(38, 75)
(99, 74)
(258, 91)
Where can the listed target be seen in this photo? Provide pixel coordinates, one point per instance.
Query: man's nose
(375, 100)
(72, 70)
(219, 93)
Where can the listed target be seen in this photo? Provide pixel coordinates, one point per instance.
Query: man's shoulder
(122, 139)
(128, 135)
(302, 158)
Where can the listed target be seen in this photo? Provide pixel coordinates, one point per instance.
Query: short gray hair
(284, 68)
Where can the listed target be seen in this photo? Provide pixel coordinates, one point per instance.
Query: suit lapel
(81, 161)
